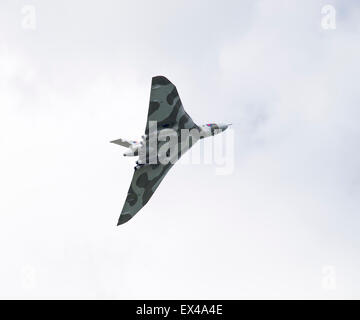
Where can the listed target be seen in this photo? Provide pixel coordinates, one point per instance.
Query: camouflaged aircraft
(166, 118)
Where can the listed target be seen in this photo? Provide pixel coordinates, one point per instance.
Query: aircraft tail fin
(124, 143)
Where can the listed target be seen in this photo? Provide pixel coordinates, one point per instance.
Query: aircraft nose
(223, 126)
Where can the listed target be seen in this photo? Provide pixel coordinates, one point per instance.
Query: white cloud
(82, 78)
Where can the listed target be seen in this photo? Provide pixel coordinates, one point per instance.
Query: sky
(283, 224)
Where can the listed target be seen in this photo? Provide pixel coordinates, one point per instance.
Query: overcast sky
(284, 224)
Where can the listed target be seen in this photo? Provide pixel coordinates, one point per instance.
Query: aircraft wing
(145, 181)
(166, 108)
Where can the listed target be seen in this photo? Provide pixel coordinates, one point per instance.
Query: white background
(288, 213)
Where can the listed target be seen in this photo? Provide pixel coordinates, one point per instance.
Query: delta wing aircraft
(166, 118)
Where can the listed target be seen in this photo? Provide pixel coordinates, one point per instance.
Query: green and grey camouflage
(166, 116)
